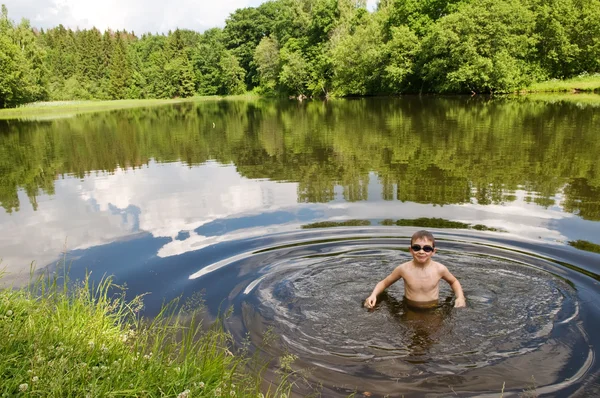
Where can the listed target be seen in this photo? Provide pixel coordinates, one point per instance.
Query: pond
(289, 213)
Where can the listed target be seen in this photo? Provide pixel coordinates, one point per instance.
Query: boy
(421, 276)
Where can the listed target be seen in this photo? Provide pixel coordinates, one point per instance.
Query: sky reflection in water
(218, 198)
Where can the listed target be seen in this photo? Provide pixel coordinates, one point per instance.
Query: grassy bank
(84, 342)
(587, 83)
(58, 109)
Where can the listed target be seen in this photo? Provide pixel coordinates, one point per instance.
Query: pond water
(289, 213)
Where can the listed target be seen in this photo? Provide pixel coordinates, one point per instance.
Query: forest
(311, 48)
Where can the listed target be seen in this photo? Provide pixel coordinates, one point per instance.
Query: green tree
(119, 70)
(22, 69)
(294, 69)
(485, 46)
(358, 60)
(266, 59)
(232, 75)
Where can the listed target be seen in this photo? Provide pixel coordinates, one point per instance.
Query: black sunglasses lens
(426, 249)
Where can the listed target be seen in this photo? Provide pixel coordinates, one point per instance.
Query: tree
(485, 46)
(119, 70)
(22, 69)
(232, 75)
(266, 59)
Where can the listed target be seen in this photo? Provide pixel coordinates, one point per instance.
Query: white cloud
(140, 16)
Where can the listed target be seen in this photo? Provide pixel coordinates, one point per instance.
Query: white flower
(184, 394)
(91, 344)
(35, 379)
(218, 392)
(9, 313)
(201, 384)
(232, 393)
(23, 387)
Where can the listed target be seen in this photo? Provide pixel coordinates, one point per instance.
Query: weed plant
(86, 341)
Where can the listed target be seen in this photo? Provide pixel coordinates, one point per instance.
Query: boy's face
(422, 256)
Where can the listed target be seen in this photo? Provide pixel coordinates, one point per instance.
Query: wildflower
(91, 344)
(35, 379)
(9, 313)
(232, 393)
(201, 384)
(184, 394)
(104, 348)
(218, 392)
(95, 368)
(103, 368)
(23, 387)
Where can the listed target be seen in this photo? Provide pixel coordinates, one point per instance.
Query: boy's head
(422, 246)
(423, 235)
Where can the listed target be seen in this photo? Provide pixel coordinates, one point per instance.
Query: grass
(583, 83)
(85, 341)
(58, 109)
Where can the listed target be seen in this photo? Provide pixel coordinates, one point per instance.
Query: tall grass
(87, 341)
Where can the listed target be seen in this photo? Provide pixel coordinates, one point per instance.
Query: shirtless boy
(421, 276)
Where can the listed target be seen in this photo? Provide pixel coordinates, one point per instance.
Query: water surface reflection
(260, 205)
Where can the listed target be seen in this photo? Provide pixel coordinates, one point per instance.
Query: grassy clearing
(585, 83)
(580, 99)
(84, 341)
(59, 109)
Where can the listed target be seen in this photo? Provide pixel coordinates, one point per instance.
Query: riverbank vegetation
(85, 341)
(580, 84)
(312, 48)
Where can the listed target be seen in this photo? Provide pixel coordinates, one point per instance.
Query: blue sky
(141, 16)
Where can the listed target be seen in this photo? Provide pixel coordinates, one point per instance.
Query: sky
(140, 16)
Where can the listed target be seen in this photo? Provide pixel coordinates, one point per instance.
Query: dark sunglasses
(426, 248)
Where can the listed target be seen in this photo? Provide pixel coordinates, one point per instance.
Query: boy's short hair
(423, 235)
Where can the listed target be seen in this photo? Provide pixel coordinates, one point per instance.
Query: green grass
(59, 109)
(585, 83)
(83, 341)
(580, 99)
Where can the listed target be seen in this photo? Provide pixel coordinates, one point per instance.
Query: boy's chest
(425, 279)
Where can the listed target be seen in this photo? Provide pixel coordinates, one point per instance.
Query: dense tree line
(426, 149)
(311, 48)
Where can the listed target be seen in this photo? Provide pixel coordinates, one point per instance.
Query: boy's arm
(382, 285)
(456, 287)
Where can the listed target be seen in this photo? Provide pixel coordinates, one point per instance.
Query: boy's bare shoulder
(402, 267)
(439, 266)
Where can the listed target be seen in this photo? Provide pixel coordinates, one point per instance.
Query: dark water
(290, 213)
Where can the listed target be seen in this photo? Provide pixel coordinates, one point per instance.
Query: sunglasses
(426, 248)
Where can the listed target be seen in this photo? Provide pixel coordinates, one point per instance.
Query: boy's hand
(370, 301)
(460, 302)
